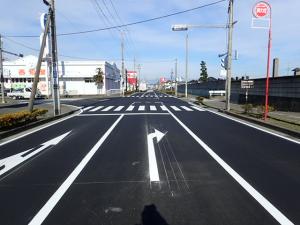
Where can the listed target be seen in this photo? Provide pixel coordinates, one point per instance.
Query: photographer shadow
(150, 216)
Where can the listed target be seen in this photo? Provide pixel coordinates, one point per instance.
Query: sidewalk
(285, 120)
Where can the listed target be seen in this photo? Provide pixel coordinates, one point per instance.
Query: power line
(125, 25)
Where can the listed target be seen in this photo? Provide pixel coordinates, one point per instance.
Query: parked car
(23, 93)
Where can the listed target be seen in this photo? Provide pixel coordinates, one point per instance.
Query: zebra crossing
(150, 96)
(141, 108)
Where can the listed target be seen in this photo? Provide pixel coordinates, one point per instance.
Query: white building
(75, 77)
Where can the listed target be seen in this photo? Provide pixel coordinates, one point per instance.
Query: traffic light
(224, 62)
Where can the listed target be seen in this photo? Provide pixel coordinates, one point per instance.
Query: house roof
(296, 69)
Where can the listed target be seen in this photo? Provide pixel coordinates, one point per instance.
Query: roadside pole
(122, 53)
(1, 72)
(38, 67)
(186, 64)
(229, 55)
(176, 77)
(55, 82)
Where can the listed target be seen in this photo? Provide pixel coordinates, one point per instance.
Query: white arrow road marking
(12, 161)
(153, 170)
(51, 203)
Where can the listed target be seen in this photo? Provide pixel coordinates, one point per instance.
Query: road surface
(152, 159)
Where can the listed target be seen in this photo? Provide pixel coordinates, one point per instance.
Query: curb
(17, 130)
(261, 123)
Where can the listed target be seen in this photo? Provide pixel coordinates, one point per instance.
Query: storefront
(75, 77)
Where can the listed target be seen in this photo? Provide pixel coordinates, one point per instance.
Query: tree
(98, 78)
(203, 73)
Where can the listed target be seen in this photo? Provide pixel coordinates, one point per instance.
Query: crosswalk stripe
(97, 108)
(87, 108)
(186, 108)
(141, 108)
(153, 108)
(197, 108)
(107, 109)
(163, 108)
(175, 108)
(130, 108)
(119, 108)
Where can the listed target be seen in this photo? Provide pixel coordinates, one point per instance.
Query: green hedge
(10, 120)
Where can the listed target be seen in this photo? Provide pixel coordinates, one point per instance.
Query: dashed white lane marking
(153, 108)
(130, 108)
(87, 108)
(186, 108)
(119, 108)
(141, 108)
(282, 219)
(107, 108)
(51, 203)
(197, 108)
(95, 109)
(175, 108)
(163, 108)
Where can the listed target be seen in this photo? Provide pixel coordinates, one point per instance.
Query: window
(88, 80)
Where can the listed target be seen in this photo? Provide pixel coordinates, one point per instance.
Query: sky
(153, 44)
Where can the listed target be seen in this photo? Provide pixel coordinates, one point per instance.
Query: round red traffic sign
(261, 9)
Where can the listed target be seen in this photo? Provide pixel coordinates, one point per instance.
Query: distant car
(23, 93)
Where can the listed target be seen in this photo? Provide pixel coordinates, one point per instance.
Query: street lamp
(184, 27)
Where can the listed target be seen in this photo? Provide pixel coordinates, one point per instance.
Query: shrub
(200, 99)
(247, 108)
(10, 120)
(261, 109)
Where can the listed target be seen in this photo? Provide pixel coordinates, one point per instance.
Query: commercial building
(75, 77)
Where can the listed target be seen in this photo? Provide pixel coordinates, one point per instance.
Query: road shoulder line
(282, 219)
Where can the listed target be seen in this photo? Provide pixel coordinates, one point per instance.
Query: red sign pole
(268, 67)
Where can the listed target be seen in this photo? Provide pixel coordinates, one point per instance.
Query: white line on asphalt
(130, 108)
(153, 108)
(141, 108)
(95, 109)
(175, 108)
(41, 128)
(282, 219)
(87, 108)
(198, 108)
(163, 108)
(107, 109)
(251, 125)
(119, 108)
(47, 208)
(186, 108)
(125, 114)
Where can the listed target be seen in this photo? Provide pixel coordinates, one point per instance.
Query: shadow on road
(150, 216)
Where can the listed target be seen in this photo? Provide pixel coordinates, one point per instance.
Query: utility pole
(176, 77)
(55, 82)
(229, 55)
(122, 52)
(139, 68)
(186, 63)
(38, 66)
(1, 71)
(136, 86)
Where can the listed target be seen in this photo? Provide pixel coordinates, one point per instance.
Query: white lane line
(119, 108)
(130, 108)
(107, 109)
(141, 108)
(175, 108)
(198, 108)
(186, 108)
(95, 109)
(282, 219)
(47, 208)
(153, 108)
(87, 108)
(163, 108)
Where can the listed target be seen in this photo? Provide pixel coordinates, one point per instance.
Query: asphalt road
(149, 159)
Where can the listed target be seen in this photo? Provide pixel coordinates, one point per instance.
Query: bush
(200, 99)
(10, 120)
(247, 108)
(261, 109)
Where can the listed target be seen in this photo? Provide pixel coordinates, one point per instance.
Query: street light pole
(229, 55)
(176, 77)
(1, 72)
(186, 63)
